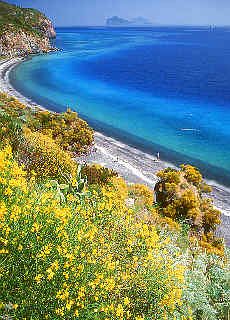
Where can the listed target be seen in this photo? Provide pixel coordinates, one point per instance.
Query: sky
(166, 12)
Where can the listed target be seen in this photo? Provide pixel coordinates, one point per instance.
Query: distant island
(116, 21)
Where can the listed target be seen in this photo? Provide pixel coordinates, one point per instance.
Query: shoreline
(133, 165)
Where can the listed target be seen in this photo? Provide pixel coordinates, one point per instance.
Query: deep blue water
(161, 89)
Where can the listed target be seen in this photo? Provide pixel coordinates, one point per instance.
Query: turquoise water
(160, 89)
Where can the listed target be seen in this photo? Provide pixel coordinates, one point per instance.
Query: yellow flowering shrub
(69, 131)
(142, 194)
(40, 154)
(13, 106)
(96, 174)
(179, 193)
(170, 223)
(86, 258)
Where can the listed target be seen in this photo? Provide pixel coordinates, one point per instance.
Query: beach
(132, 164)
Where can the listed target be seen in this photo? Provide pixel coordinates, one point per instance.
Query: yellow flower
(119, 310)
(4, 251)
(69, 305)
(50, 274)
(8, 192)
(36, 227)
(38, 278)
(60, 311)
(3, 210)
(76, 313)
(126, 301)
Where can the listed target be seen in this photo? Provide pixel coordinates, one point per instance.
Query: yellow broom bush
(142, 193)
(41, 154)
(69, 131)
(86, 258)
(96, 174)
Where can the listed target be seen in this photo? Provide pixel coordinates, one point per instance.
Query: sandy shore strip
(132, 164)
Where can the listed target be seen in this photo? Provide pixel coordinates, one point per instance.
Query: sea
(159, 89)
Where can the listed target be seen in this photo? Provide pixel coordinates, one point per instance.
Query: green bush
(40, 154)
(97, 174)
(180, 196)
(69, 131)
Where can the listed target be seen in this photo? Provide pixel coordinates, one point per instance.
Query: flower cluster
(179, 193)
(85, 258)
(100, 250)
(69, 131)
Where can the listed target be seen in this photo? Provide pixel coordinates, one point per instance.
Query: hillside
(23, 31)
(80, 243)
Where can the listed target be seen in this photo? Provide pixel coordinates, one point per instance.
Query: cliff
(24, 31)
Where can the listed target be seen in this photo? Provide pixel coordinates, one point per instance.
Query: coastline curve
(133, 164)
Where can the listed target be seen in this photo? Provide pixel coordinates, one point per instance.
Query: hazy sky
(95, 12)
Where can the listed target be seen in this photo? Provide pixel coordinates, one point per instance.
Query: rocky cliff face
(15, 44)
(21, 43)
(45, 26)
(24, 31)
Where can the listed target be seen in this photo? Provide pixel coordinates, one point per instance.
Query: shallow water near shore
(160, 89)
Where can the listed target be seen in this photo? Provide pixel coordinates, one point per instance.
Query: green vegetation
(180, 196)
(17, 18)
(72, 245)
(44, 142)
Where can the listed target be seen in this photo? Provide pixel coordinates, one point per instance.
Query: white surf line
(5, 86)
(127, 165)
(5, 64)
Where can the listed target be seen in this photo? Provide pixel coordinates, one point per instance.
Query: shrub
(67, 129)
(87, 259)
(142, 194)
(207, 290)
(10, 130)
(192, 175)
(180, 196)
(96, 174)
(40, 154)
(11, 105)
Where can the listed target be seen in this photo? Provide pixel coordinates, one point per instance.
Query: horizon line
(144, 26)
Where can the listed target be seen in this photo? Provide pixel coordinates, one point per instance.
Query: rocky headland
(24, 31)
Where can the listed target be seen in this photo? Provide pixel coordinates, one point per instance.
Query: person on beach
(157, 157)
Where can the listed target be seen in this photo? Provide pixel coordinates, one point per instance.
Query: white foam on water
(190, 129)
(224, 192)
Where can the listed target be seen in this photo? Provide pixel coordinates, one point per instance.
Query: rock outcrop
(24, 31)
